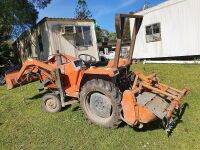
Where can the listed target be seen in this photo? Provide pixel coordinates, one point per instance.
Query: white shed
(170, 29)
(69, 36)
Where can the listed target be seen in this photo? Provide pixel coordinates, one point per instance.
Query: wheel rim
(99, 105)
(51, 104)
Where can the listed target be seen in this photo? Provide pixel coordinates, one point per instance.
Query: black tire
(112, 94)
(51, 103)
(2, 80)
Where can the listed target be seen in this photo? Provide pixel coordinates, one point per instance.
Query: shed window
(83, 36)
(69, 29)
(153, 33)
(40, 43)
(29, 49)
(78, 35)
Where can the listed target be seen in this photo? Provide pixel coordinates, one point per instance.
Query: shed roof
(64, 19)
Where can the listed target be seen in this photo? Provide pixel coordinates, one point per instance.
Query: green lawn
(24, 125)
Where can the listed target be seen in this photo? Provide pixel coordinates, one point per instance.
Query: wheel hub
(100, 105)
(51, 104)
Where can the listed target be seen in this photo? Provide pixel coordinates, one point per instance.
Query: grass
(24, 125)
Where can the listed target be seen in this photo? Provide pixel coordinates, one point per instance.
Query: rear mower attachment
(149, 100)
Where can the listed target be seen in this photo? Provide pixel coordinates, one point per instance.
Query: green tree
(20, 14)
(99, 34)
(112, 36)
(5, 46)
(82, 11)
(102, 34)
(16, 16)
(126, 33)
(41, 4)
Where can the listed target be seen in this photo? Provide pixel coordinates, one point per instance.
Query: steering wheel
(87, 59)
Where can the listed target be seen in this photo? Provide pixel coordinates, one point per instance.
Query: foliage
(82, 11)
(5, 43)
(16, 16)
(112, 36)
(102, 34)
(24, 125)
(105, 35)
(20, 14)
(99, 34)
(126, 34)
(41, 4)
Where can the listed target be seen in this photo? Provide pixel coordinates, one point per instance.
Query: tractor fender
(107, 74)
(87, 77)
(102, 71)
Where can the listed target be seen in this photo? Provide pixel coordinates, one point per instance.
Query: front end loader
(107, 95)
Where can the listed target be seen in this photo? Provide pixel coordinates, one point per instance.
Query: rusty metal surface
(158, 106)
(172, 92)
(154, 103)
(145, 97)
(119, 25)
(154, 100)
(11, 79)
(138, 22)
(119, 40)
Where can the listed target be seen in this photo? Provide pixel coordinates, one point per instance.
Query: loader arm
(33, 64)
(30, 66)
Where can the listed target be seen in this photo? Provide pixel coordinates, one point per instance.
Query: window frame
(152, 36)
(83, 35)
(74, 34)
(70, 33)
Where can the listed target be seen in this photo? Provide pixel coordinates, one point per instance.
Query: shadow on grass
(38, 96)
(155, 125)
(65, 108)
(76, 108)
(178, 117)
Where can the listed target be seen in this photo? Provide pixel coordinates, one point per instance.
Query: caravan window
(153, 33)
(83, 36)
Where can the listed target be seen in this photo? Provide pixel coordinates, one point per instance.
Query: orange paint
(134, 113)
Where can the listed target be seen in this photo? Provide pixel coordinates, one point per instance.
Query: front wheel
(100, 101)
(51, 103)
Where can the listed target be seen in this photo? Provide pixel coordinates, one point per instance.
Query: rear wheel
(51, 103)
(101, 103)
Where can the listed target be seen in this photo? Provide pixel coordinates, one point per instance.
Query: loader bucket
(11, 79)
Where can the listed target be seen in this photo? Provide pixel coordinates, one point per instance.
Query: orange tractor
(108, 95)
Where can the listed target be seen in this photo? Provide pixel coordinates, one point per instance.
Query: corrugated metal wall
(58, 42)
(180, 30)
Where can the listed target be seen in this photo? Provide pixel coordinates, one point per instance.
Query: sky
(103, 11)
